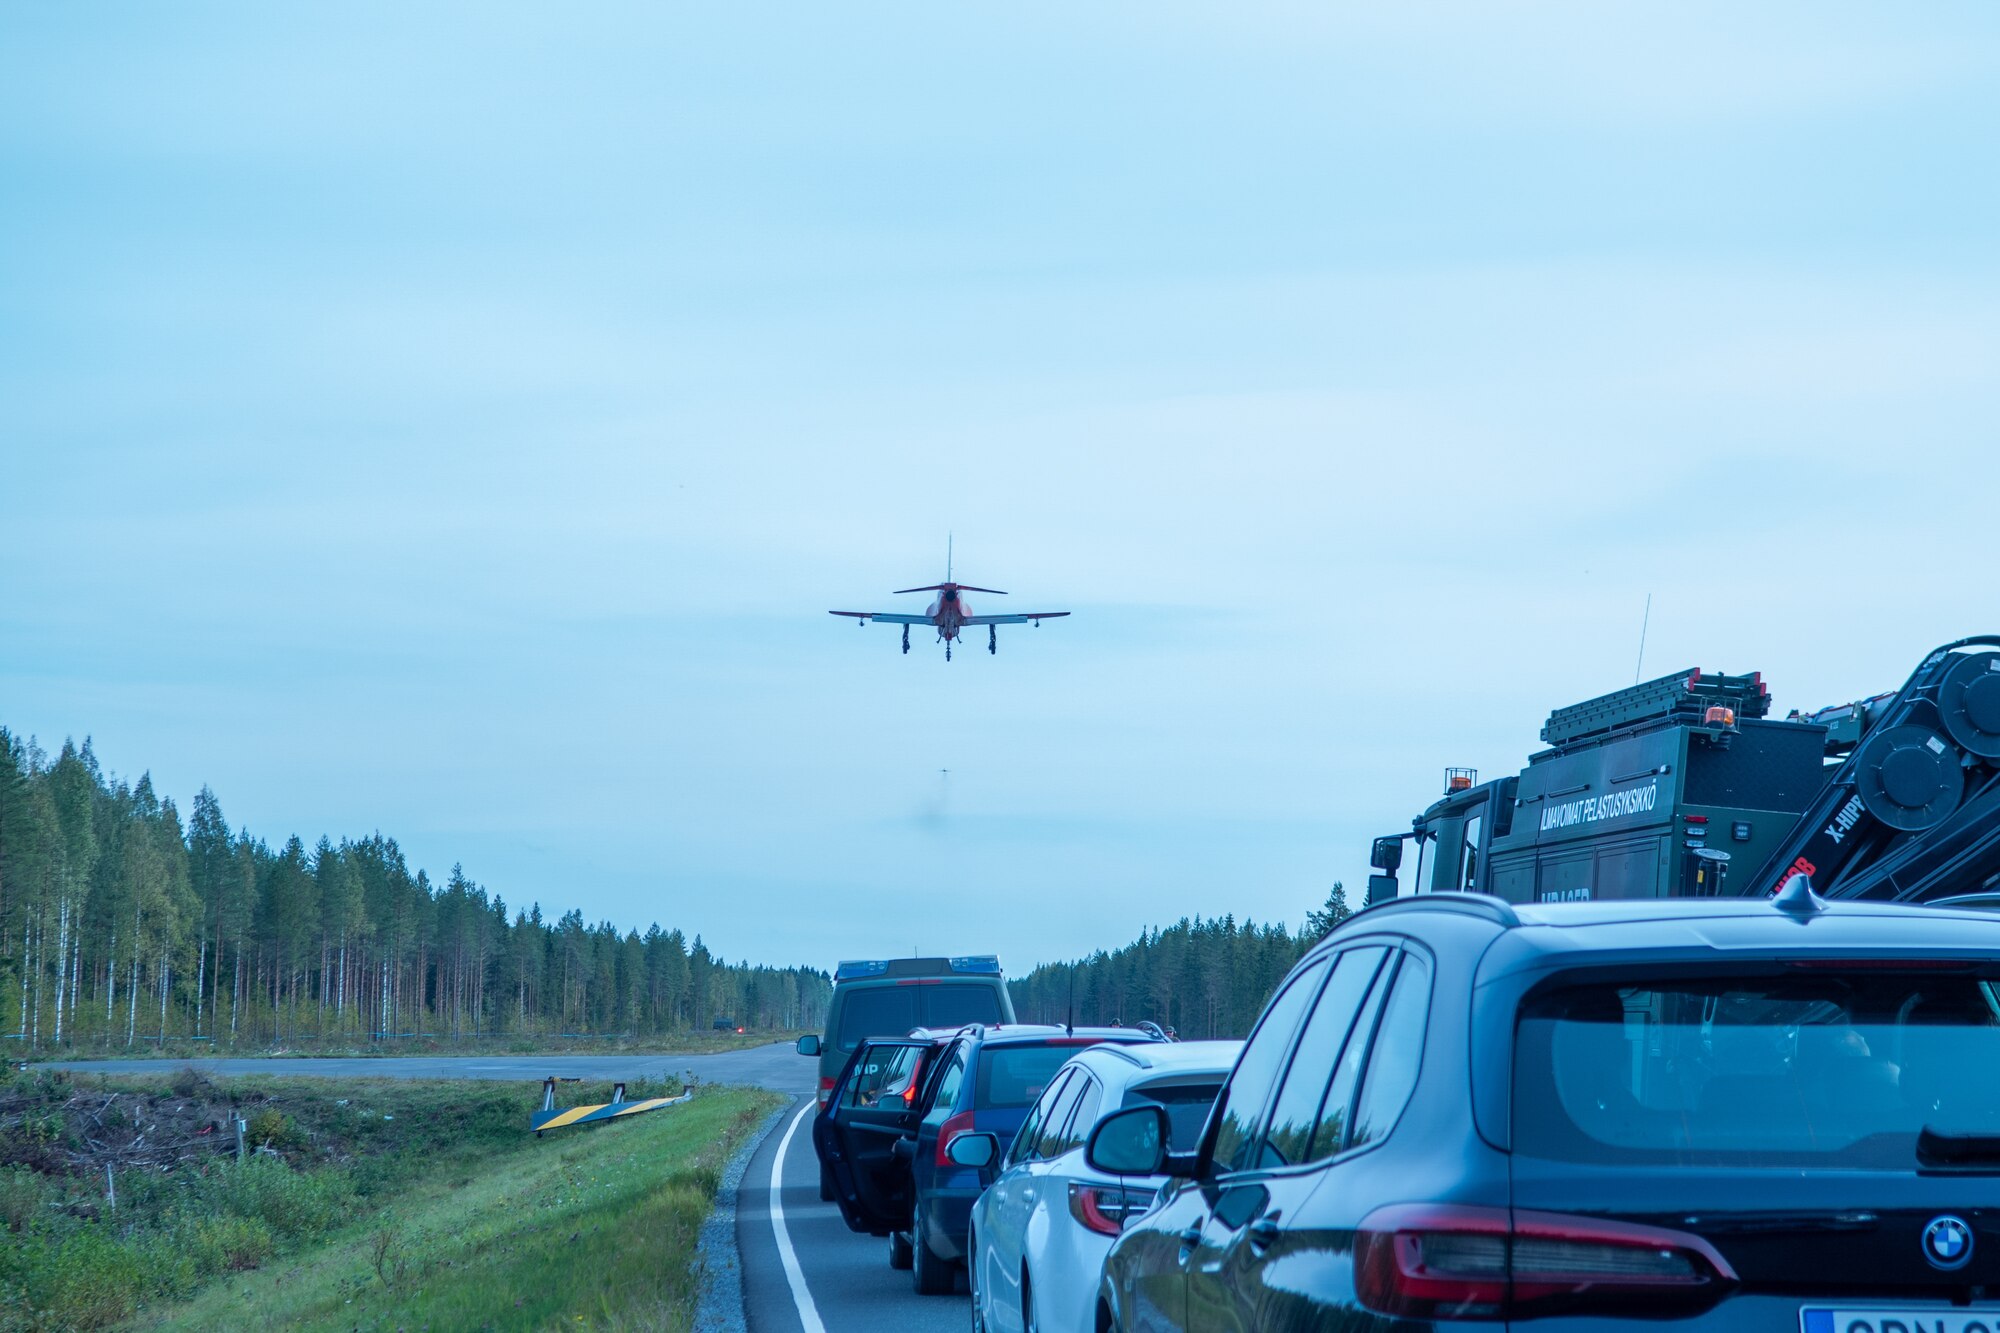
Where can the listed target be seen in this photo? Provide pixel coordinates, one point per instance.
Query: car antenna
(1069, 1022)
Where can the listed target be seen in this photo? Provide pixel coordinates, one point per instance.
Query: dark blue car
(887, 1130)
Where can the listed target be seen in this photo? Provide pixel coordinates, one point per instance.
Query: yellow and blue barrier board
(549, 1117)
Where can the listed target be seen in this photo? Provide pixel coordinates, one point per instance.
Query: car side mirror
(1131, 1142)
(973, 1149)
(808, 1045)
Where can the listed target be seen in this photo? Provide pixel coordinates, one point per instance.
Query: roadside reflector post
(241, 1126)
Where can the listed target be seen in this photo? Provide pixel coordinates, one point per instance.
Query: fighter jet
(951, 613)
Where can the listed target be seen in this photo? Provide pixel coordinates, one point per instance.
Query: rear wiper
(1958, 1152)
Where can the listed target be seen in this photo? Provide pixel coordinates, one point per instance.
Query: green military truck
(1685, 786)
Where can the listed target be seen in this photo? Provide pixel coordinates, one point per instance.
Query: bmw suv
(1772, 1114)
(888, 1131)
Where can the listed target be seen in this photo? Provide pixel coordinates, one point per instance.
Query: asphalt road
(776, 1066)
(843, 1282)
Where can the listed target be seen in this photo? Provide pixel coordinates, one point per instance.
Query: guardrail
(551, 1118)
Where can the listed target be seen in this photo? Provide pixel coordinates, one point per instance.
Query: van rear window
(891, 1011)
(1832, 1066)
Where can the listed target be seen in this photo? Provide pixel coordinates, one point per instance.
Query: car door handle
(1263, 1231)
(1190, 1238)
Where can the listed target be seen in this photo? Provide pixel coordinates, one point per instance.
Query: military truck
(1686, 786)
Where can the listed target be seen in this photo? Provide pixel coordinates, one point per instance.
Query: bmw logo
(1948, 1243)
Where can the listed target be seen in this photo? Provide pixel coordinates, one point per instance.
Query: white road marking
(802, 1298)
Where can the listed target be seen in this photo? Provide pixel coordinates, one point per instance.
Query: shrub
(214, 1244)
(20, 1197)
(187, 1081)
(291, 1203)
(273, 1128)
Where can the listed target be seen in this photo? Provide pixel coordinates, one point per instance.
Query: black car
(887, 1131)
(1672, 1114)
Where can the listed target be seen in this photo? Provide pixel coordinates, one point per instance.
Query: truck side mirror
(1382, 889)
(808, 1044)
(1386, 855)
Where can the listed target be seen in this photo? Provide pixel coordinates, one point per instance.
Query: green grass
(591, 1228)
(382, 1203)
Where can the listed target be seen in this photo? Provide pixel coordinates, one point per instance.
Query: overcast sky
(457, 422)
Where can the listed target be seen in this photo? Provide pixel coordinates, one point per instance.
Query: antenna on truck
(1644, 621)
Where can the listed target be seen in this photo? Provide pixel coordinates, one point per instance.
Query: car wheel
(899, 1251)
(930, 1275)
(825, 1183)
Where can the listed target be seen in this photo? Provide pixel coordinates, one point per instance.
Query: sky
(456, 421)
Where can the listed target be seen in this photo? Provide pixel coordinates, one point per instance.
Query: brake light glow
(825, 1090)
(1106, 1209)
(949, 1130)
(1458, 1262)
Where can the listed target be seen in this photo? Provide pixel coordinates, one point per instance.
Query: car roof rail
(1483, 905)
(1983, 899)
(1148, 1026)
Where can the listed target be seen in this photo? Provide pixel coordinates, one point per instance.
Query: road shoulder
(721, 1308)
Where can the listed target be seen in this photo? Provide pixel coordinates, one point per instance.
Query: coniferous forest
(123, 924)
(1203, 978)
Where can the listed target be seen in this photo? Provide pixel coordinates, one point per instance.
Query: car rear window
(890, 1011)
(1014, 1076)
(1187, 1107)
(1839, 1065)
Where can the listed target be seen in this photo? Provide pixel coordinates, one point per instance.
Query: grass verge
(374, 1204)
(596, 1230)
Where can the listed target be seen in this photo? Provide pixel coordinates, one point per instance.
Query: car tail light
(1106, 1209)
(948, 1131)
(825, 1090)
(1454, 1262)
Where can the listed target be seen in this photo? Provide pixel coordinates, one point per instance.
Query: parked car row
(1460, 1114)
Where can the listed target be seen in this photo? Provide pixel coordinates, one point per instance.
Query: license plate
(1876, 1319)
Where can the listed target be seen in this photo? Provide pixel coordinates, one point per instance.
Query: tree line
(121, 925)
(1201, 978)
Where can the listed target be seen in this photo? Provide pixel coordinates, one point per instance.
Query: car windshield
(1187, 1106)
(1014, 1076)
(1835, 1065)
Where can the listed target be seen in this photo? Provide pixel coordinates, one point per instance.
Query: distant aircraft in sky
(950, 613)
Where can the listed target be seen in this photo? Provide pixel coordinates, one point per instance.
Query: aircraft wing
(1021, 619)
(887, 617)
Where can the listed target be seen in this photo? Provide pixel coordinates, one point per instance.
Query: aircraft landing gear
(906, 638)
(992, 639)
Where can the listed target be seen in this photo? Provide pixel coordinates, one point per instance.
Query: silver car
(1041, 1230)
